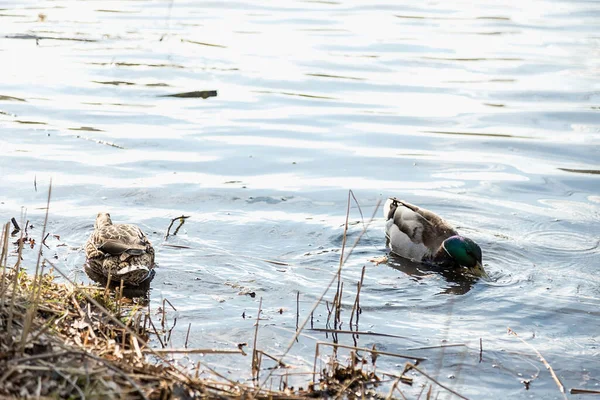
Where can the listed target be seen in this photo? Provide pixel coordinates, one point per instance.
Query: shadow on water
(457, 283)
(142, 291)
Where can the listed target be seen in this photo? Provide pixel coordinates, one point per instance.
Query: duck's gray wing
(420, 224)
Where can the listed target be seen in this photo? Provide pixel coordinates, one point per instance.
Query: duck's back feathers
(413, 232)
(120, 238)
(121, 251)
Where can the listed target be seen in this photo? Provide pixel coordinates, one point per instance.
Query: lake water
(486, 112)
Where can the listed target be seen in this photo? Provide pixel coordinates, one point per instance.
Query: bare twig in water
(192, 351)
(181, 220)
(543, 360)
(372, 351)
(100, 142)
(394, 387)
(187, 335)
(356, 305)
(15, 225)
(297, 310)
(280, 364)
(14, 288)
(583, 391)
(441, 346)
(3, 257)
(351, 332)
(176, 246)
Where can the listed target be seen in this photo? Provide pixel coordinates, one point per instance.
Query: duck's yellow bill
(479, 271)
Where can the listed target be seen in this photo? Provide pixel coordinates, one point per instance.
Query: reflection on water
(485, 112)
(457, 283)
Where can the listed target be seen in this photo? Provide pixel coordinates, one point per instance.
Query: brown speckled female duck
(119, 251)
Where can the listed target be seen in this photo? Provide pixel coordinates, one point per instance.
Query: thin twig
(15, 225)
(543, 360)
(371, 351)
(280, 364)
(391, 392)
(191, 351)
(412, 366)
(181, 220)
(255, 363)
(187, 335)
(441, 346)
(297, 310)
(351, 332)
(318, 301)
(584, 391)
(3, 263)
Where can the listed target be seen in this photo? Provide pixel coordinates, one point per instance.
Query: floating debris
(203, 94)
(97, 140)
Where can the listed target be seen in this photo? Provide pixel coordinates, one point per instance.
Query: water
(485, 113)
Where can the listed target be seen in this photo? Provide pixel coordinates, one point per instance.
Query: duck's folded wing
(421, 225)
(411, 223)
(116, 247)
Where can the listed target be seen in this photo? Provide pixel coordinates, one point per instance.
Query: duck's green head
(466, 253)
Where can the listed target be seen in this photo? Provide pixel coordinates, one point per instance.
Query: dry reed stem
(421, 392)
(356, 306)
(255, 357)
(3, 257)
(297, 310)
(403, 378)
(366, 333)
(39, 258)
(374, 352)
(14, 289)
(187, 335)
(394, 387)
(318, 301)
(412, 366)
(280, 364)
(543, 360)
(345, 387)
(191, 351)
(584, 391)
(441, 346)
(181, 220)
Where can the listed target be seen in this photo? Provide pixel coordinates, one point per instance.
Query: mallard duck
(119, 252)
(420, 235)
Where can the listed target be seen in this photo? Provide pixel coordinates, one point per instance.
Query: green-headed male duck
(420, 235)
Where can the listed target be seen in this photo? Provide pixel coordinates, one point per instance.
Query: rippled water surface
(485, 113)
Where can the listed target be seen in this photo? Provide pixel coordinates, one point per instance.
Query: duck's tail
(390, 207)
